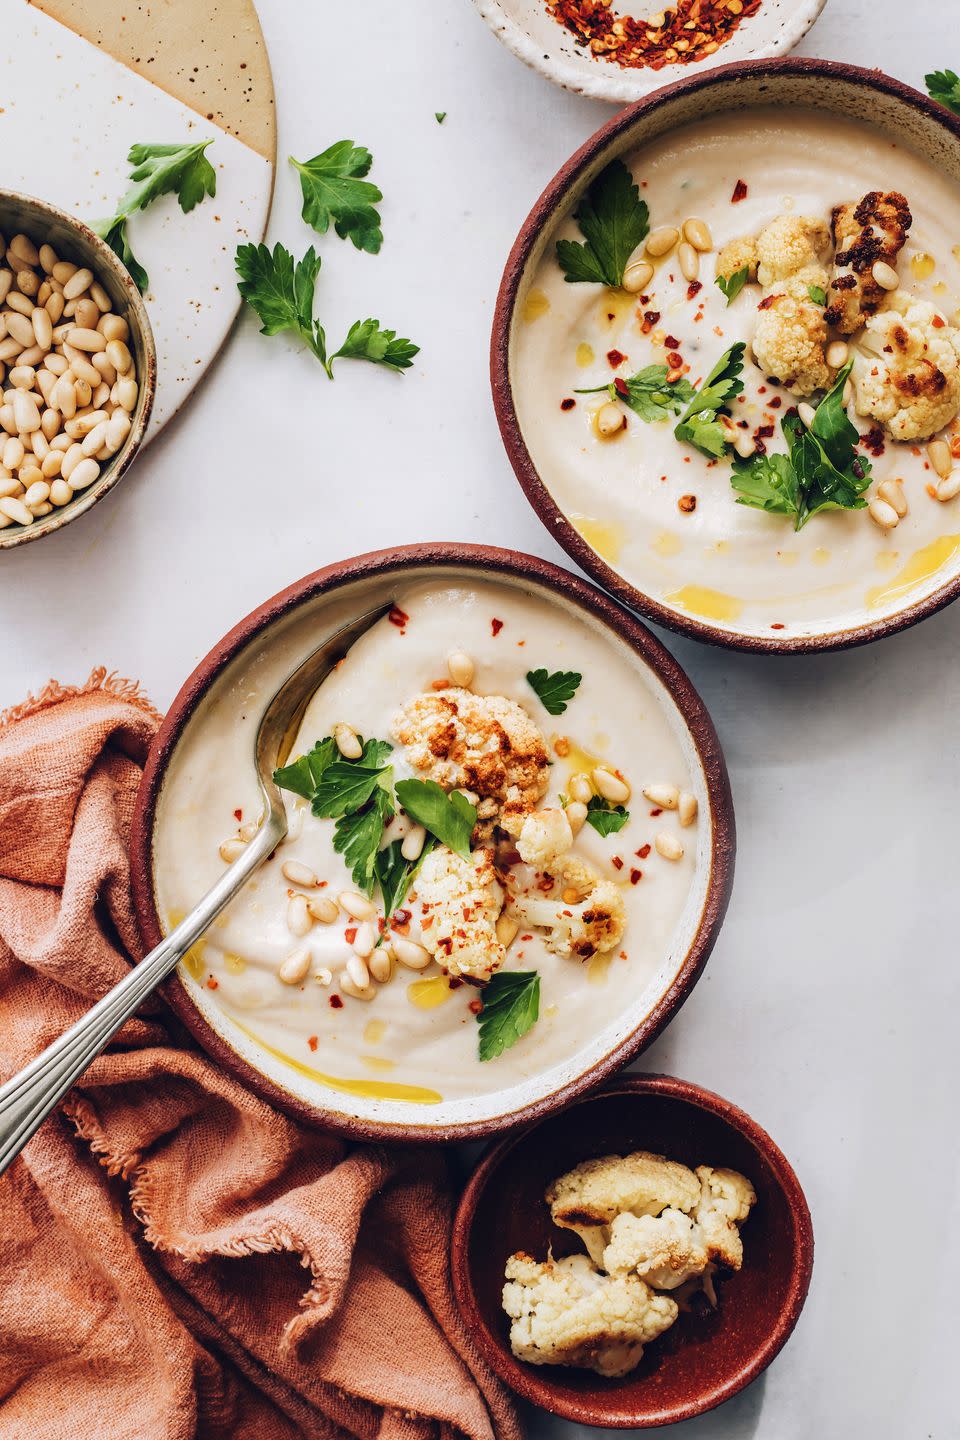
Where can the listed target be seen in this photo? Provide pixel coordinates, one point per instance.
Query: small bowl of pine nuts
(77, 368)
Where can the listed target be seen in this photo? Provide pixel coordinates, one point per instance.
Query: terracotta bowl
(900, 115)
(72, 240)
(298, 616)
(703, 1359)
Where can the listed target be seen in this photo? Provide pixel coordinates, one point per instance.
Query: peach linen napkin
(176, 1258)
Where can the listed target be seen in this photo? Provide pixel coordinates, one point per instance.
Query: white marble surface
(829, 1007)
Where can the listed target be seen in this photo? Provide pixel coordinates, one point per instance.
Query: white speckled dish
(528, 29)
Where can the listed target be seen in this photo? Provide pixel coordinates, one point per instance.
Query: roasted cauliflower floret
(910, 379)
(789, 341)
(738, 255)
(460, 902)
(589, 1198)
(544, 837)
(583, 914)
(726, 1199)
(564, 1312)
(665, 1250)
(484, 743)
(875, 229)
(789, 244)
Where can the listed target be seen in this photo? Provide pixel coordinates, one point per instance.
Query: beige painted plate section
(168, 71)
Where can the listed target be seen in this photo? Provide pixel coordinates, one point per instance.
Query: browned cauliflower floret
(726, 1198)
(872, 230)
(738, 255)
(460, 902)
(545, 836)
(665, 1250)
(565, 1312)
(484, 743)
(789, 244)
(589, 1198)
(789, 342)
(910, 379)
(583, 914)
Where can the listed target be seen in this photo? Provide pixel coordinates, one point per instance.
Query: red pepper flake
(938, 322)
(397, 617)
(693, 290)
(616, 862)
(739, 192)
(615, 358)
(687, 504)
(671, 343)
(621, 387)
(674, 360)
(777, 626)
(567, 404)
(650, 318)
(313, 1041)
(686, 30)
(496, 626)
(335, 1002)
(767, 301)
(635, 876)
(776, 402)
(874, 441)
(657, 810)
(350, 935)
(475, 1007)
(764, 431)
(213, 984)
(238, 816)
(643, 852)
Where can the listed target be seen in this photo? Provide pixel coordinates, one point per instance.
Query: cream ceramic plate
(114, 74)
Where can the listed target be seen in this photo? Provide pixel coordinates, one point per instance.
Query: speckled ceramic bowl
(704, 1358)
(533, 34)
(903, 117)
(72, 240)
(300, 616)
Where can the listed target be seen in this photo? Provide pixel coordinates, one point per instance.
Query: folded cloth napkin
(176, 1258)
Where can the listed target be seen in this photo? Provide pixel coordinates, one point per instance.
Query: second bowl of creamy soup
(510, 845)
(726, 356)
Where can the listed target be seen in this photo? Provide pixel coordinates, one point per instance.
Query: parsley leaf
(511, 1007)
(157, 170)
(944, 86)
(440, 116)
(605, 818)
(347, 785)
(367, 341)
(817, 294)
(357, 837)
(555, 690)
(648, 393)
(699, 425)
(303, 776)
(613, 220)
(281, 291)
(450, 818)
(114, 231)
(731, 285)
(396, 874)
(767, 482)
(334, 189)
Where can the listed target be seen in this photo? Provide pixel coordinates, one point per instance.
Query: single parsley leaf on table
(613, 220)
(555, 689)
(334, 189)
(511, 1007)
(450, 818)
(281, 291)
(699, 425)
(944, 86)
(440, 116)
(648, 393)
(605, 818)
(114, 231)
(157, 170)
(731, 285)
(367, 341)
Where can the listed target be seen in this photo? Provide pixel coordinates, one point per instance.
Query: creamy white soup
(413, 1037)
(660, 512)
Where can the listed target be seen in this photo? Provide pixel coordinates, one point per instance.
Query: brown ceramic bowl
(72, 240)
(329, 598)
(703, 1359)
(899, 114)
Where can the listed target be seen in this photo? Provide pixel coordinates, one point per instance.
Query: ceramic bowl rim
(536, 491)
(147, 381)
(531, 1383)
(497, 562)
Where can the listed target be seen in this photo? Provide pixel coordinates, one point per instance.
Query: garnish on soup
(613, 221)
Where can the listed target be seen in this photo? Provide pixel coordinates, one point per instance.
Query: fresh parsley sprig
(731, 285)
(605, 818)
(613, 220)
(699, 425)
(556, 689)
(158, 170)
(334, 190)
(944, 86)
(449, 817)
(510, 1007)
(648, 393)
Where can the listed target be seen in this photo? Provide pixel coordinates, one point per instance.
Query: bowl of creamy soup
(726, 356)
(510, 845)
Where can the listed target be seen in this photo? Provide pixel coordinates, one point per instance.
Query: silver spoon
(27, 1098)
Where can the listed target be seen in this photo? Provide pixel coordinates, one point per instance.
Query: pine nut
(63, 271)
(24, 247)
(365, 939)
(89, 340)
(381, 964)
(10, 485)
(413, 842)
(689, 261)
(87, 317)
(611, 787)
(892, 492)
(103, 367)
(322, 908)
(357, 972)
(687, 808)
(299, 919)
(358, 907)
(6, 280)
(354, 991)
(12, 453)
(576, 813)
(20, 327)
(80, 365)
(806, 412)
(80, 281)
(54, 307)
(298, 874)
(25, 413)
(507, 929)
(16, 510)
(42, 327)
(637, 276)
(885, 275)
(95, 440)
(949, 489)
(610, 420)
(100, 297)
(580, 788)
(697, 232)
(71, 460)
(21, 377)
(126, 391)
(938, 453)
(113, 327)
(84, 474)
(883, 514)
(346, 739)
(118, 355)
(460, 668)
(322, 975)
(60, 492)
(231, 849)
(668, 846)
(294, 969)
(661, 242)
(409, 953)
(118, 428)
(838, 353)
(37, 492)
(666, 797)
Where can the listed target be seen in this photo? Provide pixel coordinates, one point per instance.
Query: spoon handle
(27, 1098)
